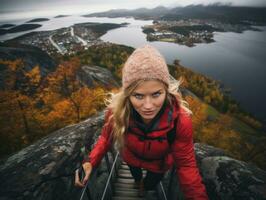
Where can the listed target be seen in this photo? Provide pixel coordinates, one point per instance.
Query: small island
(38, 20)
(20, 28)
(60, 16)
(7, 25)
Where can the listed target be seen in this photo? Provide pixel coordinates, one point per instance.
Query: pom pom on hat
(145, 63)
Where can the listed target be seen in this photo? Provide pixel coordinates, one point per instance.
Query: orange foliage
(11, 73)
(34, 76)
(184, 82)
(56, 101)
(199, 111)
(13, 65)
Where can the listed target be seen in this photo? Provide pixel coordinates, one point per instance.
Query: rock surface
(228, 178)
(45, 169)
(90, 75)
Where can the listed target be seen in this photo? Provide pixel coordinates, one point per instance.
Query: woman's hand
(87, 167)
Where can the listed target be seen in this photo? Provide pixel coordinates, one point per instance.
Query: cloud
(19, 5)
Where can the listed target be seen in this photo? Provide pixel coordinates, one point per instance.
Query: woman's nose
(147, 103)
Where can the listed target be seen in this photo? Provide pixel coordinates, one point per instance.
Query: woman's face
(148, 98)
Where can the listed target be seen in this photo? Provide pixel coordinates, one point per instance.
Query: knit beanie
(145, 63)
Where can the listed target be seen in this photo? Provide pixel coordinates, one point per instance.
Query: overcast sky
(88, 6)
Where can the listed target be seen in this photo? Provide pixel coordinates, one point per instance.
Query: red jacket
(157, 154)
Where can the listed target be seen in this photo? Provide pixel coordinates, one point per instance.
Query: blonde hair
(120, 106)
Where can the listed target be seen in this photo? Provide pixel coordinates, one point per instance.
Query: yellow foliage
(184, 81)
(13, 65)
(225, 121)
(199, 111)
(62, 109)
(11, 74)
(34, 76)
(249, 120)
(61, 114)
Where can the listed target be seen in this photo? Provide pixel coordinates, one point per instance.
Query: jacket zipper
(149, 146)
(144, 149)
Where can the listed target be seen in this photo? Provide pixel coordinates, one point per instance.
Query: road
(56, 45)
(85, 43)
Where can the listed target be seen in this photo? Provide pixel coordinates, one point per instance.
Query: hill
(39, 96)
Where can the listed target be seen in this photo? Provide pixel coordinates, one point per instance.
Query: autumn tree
(198, 114)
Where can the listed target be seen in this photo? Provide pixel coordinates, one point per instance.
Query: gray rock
(88, 75)
(204, 150)
(227, 178)
(45, 169)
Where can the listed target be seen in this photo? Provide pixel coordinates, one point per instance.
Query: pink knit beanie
(145, 63)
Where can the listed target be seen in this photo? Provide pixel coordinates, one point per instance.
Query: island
(38, 20)
(20, 28)
(7, 25)
(60, 16)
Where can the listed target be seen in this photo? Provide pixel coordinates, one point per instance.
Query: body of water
(236, 59)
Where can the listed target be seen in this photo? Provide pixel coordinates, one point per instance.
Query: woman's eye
(138, 96)
(156, 94)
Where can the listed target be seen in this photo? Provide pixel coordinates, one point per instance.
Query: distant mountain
(215, 11)
(220, 12)
(137, 13)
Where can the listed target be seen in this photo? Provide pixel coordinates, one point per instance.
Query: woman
(150, 124)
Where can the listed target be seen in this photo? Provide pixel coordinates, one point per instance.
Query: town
(188, 32)
(67, 41)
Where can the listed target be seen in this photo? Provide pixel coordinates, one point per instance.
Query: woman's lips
(148, 112)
